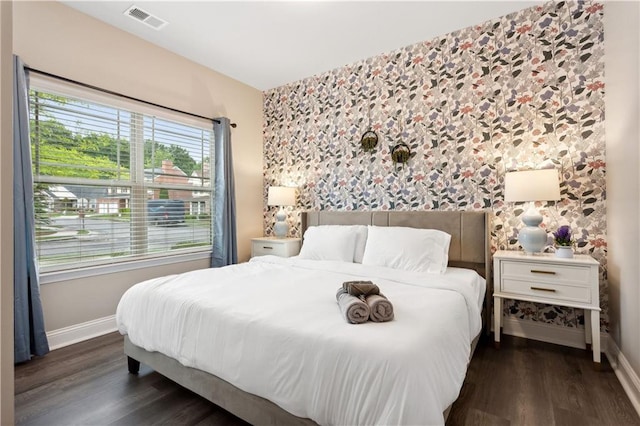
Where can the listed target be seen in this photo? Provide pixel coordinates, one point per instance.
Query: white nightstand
(283, 247)
(545, 278)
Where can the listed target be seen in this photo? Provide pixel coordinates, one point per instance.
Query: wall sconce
(401, 153)
(532, 186)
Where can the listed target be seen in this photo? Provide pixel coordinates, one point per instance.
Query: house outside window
(116, 181)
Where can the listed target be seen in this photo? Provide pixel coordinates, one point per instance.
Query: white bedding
(272, 327)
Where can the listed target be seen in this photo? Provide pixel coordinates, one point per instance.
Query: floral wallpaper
(522, 91)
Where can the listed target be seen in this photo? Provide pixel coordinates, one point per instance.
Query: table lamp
(281, 196)
(532, 186)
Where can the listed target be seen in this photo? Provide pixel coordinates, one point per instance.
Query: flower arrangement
(562, 237)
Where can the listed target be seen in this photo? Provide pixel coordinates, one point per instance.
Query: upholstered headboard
(469, 232)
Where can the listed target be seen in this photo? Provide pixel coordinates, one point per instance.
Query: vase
(564, 252)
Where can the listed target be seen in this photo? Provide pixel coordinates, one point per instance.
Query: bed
(300, 362)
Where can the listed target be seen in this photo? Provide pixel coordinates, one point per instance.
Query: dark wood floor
(527, 382)
(523, 383)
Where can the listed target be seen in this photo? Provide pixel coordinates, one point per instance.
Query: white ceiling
(267, 44)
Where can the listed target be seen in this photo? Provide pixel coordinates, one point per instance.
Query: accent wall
(522, 91)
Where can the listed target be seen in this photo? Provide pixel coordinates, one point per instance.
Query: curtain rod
(131, 98)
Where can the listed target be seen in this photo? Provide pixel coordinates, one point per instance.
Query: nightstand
(544, 278)
(283, 247)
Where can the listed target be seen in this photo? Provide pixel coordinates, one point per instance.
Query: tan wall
(55, 38)
(621, 20)
(85, 299)
(6, 217)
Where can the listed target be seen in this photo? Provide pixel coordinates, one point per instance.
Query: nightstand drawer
(570, 293)
(540, 272)
(283, 247)
(261, 248)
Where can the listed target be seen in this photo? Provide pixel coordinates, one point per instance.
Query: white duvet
(272, 327)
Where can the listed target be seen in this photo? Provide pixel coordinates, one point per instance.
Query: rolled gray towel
(380, 307)
(353, 309)
(360, 288)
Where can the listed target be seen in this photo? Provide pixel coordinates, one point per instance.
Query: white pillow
(410, 249)
(361, 241)
(329, 242)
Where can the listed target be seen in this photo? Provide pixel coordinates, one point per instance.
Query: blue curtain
(29, 334)
(225, 249)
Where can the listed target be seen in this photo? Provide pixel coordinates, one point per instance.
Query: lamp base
(281, 227)
(532, 238)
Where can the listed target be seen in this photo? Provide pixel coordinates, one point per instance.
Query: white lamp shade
(532, 185)
(281, 196)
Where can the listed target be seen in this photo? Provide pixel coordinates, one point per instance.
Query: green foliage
(94, 155)
(55, 148)
(51, 132)
(187, 244)
(178, 155)
(201, 216)
(43, 98)
(40, 205)
(117, 151)
(55, 161)
(182, 159)
(164, 194)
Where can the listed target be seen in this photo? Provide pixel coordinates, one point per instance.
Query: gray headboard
(469, 232)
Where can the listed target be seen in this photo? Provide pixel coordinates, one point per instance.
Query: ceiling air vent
(134, 12)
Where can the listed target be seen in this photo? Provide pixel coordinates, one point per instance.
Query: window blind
(114, 182)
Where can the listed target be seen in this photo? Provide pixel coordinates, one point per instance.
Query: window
(115, 181)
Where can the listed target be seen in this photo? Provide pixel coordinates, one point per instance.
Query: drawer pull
(544, 289)
(536, 271)
(267, 248)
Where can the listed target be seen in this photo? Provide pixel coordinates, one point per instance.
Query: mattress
(272, 327)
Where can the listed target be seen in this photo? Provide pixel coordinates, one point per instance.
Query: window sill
(92, 271)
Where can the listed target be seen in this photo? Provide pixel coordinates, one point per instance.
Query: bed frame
(469, 248)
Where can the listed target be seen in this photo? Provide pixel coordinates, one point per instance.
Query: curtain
(29, 334)
(225, 249)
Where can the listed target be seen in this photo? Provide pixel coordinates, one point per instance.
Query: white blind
(114, 184)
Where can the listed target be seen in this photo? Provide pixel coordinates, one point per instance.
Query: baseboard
(624, 372)
(80, 332)
(567, 336)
